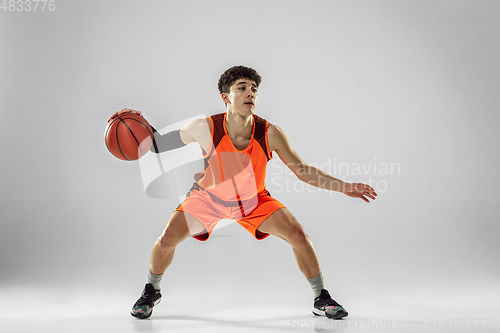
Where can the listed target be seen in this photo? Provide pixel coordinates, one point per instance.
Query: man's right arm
(194, 131)
(197, 130)
(167, 141)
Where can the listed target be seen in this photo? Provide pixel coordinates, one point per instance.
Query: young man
(236, 147)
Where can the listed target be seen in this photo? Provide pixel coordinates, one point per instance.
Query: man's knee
(285, 226)
(175, 232)
(297, 236)
(293, 232)
(169, 239)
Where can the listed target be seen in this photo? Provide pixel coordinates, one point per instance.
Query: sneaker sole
(142, 315)
(321, 313)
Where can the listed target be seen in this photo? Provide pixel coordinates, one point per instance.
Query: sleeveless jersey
(233, 175)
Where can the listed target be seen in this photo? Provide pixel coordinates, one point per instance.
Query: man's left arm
(279, 142)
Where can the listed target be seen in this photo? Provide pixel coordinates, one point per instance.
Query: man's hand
(359, 190)
(119, 113)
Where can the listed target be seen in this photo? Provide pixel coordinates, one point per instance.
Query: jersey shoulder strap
(217, 128)
(260, 134)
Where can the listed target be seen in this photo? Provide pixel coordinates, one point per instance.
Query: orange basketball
(128, 136)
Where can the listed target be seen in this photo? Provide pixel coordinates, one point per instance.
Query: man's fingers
(370, 196)
(369, 188)
(129, 110)
(114, 115)
(363, 191)
(122, 111)
(370, 192)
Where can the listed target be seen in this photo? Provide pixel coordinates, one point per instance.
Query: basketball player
(236, 147)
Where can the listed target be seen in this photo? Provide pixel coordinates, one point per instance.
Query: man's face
(242, 96)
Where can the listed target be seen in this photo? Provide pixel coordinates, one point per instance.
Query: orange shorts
(209, 210)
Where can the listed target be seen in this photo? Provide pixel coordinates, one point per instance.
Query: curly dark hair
(227, 79)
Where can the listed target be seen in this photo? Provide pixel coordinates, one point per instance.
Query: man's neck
(238, 125)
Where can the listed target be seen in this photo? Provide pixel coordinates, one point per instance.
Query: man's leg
(179, 227)
(284, 225)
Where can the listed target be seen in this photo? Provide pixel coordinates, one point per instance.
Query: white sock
(154, 280)
(317, 284)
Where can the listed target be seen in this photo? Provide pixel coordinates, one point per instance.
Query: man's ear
(225, 98)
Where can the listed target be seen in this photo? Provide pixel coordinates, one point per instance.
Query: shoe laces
(146, 297)
(327, 302)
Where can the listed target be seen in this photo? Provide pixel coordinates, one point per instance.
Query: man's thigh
(183, 223)
(253, 218)
(202, 214)
(281, 224)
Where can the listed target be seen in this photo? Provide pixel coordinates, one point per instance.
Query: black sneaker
(324, 305)
(143, 308)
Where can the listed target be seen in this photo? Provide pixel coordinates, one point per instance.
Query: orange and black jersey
(235, 175)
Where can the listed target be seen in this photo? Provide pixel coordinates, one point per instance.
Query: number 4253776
(28, 5)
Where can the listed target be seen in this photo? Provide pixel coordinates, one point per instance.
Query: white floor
(44, 311)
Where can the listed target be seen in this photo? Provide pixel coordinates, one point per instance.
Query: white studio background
(403, 94)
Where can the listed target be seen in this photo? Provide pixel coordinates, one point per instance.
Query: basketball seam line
(131, 132)
(118, 141)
